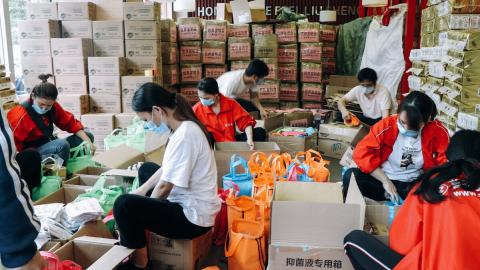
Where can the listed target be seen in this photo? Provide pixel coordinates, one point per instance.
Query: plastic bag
(105, 196)
(80, 157)
(48, 184)
(243, 180)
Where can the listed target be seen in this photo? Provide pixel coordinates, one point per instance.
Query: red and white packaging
(287, 53)
(191, 73)
(288, 92)
(312, 92)
(311, 73)
(287, 72)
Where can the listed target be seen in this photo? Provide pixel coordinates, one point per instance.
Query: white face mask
(369, 90)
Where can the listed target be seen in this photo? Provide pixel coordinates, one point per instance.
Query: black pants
(247, 105)
(259, 135)
(30, 163)
(134, 214)
(367, 252)
(371, 187)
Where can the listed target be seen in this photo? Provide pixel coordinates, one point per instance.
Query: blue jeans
(61, 147)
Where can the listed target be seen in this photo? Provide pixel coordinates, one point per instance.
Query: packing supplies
(77, 29)
(138, 11)
(189, 29)
(215, 30)
(76, 11)
(107, 66)
(39, 29)
(239, 48)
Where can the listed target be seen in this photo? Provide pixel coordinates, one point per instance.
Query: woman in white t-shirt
(374, 99)
(178, 200)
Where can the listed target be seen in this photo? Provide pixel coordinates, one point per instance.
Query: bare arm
(249, 133)
(162, 190)
(388, 185)
(342, 107)
(150, 184)
(81, 133)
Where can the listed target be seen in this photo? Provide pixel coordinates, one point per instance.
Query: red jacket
(442, 236)
(25, 130)
(371, 152)
(222, 126)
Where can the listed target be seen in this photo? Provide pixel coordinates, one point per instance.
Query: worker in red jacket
(32, 124)
(398, 149)
(437, 226)
(222, 115)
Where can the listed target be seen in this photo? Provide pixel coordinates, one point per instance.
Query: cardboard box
(339, 84)
(76, 104)
(179, 254)
(171, 74)
(191, 73)
(138, 11)
(130, 84)
(295, 226)
(123, 120)
(214, 71)
(134, 48)
(105, 85)
(71, 47)
(99, 124)
(109, 48)
(72, 84)
(92, 172)
(36, 65)
(40, 47)
(31, 81)
(108, 10)
(311, 73)
(224, 12)
(190, 52)
(142, 30)
(378, 213)
(64, 195)
(76, 11)
(189, 29)
(288, 53)
(269, 91)
(225, 150)
(51, 246)
(312, 92)
(42, 11)
(338, 132)
(238, 30)
(215, 30)
(108, 30)
(70, 65)
(105, 103)
(347, 158)
(138, 65)
(170, 53)
(123, 156)
(190, 93)
(311, 52)
(77, 29)
(94, 253)
(107, 66)
(214, 52)
(292, 144)
(332, 148)
(239, 48)
(169, 30)
(245, 12)
(287, 72)
(39, 29)
(127, 104)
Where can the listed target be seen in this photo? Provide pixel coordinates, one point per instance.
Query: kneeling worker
(221, 115)
(374, 99)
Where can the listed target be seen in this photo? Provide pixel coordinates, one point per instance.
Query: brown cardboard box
(189, 29)
(108, 30)
(76, 104)
(40, 47)
(292, 218)
(39, 29)
(215, 30)
(76, 11)
(130, 84)
(123, 156)
(88, 181)
(169, 30)
(170, 53)
(347, 158)
(64, 195)
(31, 81)
(123, 120)
(71, 47)
(378, 213)
(7, 96)
(292, 144)
(312, 92)
(42, 11)
(70, 65)
(91, 172)
(99, 124)
(214, 52)
(51, 246)
(288, 53)
(225, 150)
(138, 65)
(190, 52)
(77, 29)
(138, 11)
(36, 65)
(214, 71)
(106, 66)
(171, 74)
(238, 30)
(109, 48)
(191, 73)
(339, 84)
(190, 93)
(72, 84)
(178, 254)
(287, 72)
(105, 85)
(289, 91)
(94, 253)
(239, 48)
(311, 73)
(269, 91)
(311, 52)
(143, 30)
(105, 103)
(127, 104)
(298, 119)
(338, 132)
(332, 148)
(151, 48)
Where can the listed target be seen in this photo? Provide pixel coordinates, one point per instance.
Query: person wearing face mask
(374, 99)
(222, 115)
(32, 123)
(398, 149)
(235, 84)
(178, 200)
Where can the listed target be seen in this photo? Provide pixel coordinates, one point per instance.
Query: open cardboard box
(91, 172)
(347, 158)
(309, 221)
(51, 246)
(64, 195)
(94, 253)
(339, 84)
(89, 181)
(379, 213)
(334, 139)
(225, 150)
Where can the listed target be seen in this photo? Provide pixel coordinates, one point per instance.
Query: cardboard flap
(154, 141)
(119, 157)
(120, 172)
(98, 240)
(308, 192)
(112, 258)
(236, 147)
(273, 122)
(354, 196)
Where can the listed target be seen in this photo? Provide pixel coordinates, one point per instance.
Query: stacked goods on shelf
(266, 49)
(328, 37)
(214, 48)
(7, 92)
(170, 53)
(239, 48)
(288, 64)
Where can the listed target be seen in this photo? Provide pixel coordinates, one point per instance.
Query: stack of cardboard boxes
(7, 92)
(288, 65)
(170, 54)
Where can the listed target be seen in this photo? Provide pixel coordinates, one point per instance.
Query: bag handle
(258, 162)
(236, 161)
(280, 165)
(115, 131)
(233, 190)
(82, 149)
(100, 184)
(56, 166)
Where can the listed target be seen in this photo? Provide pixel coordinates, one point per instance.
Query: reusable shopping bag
(114, 139)
(105, 196)
(220, 229)
(54, 263)
(80, 157)
(48, 184)
(243, 180)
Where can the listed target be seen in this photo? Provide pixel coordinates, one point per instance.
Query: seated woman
(32, 124)
(179, 200)
(437, 226)
(398, 149)
(220, 115)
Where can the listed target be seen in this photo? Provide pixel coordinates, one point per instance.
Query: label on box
(105, 103)
(142, 30)
(308, 35)
(75, 11)
(171, 75)
(328, 35)
(312, 92)
(328, 51)
(190, 32)
(42, 11)
(190, 93)
(105, 65)
(140, 11)
(71, 84)
(142, 48)
(191, 74)
(138, 65)
(262, 30)
(108, 30)
(287, 55)
(40, 47)
(236, 65)
(239, 31)
(214, 71)
(213, 55)
(39, 29)
(239, 50)
(190, 53)
(286, 35)
(105, 85)
(69, 66)
(272, 71)
(107, 48)
(216, 32)
(77, 29)
(287, 72)
(269, 90)
(312, 74)
(130, 84)
(288, 92)
(311, 53)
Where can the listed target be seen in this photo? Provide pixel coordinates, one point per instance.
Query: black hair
(367, 74)
(209, 86)
(463, 154)
(44, 89)
(419, 108)
(257, 67)
(151, 94)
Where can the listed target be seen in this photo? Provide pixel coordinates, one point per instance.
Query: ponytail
(44, 89)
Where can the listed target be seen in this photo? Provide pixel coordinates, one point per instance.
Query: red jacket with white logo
(222, 125)
(371, 152)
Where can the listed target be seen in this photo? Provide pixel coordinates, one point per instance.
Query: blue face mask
(207, 102)
(406, 132)
(151, 126)
(40, 110)
(260, 81)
